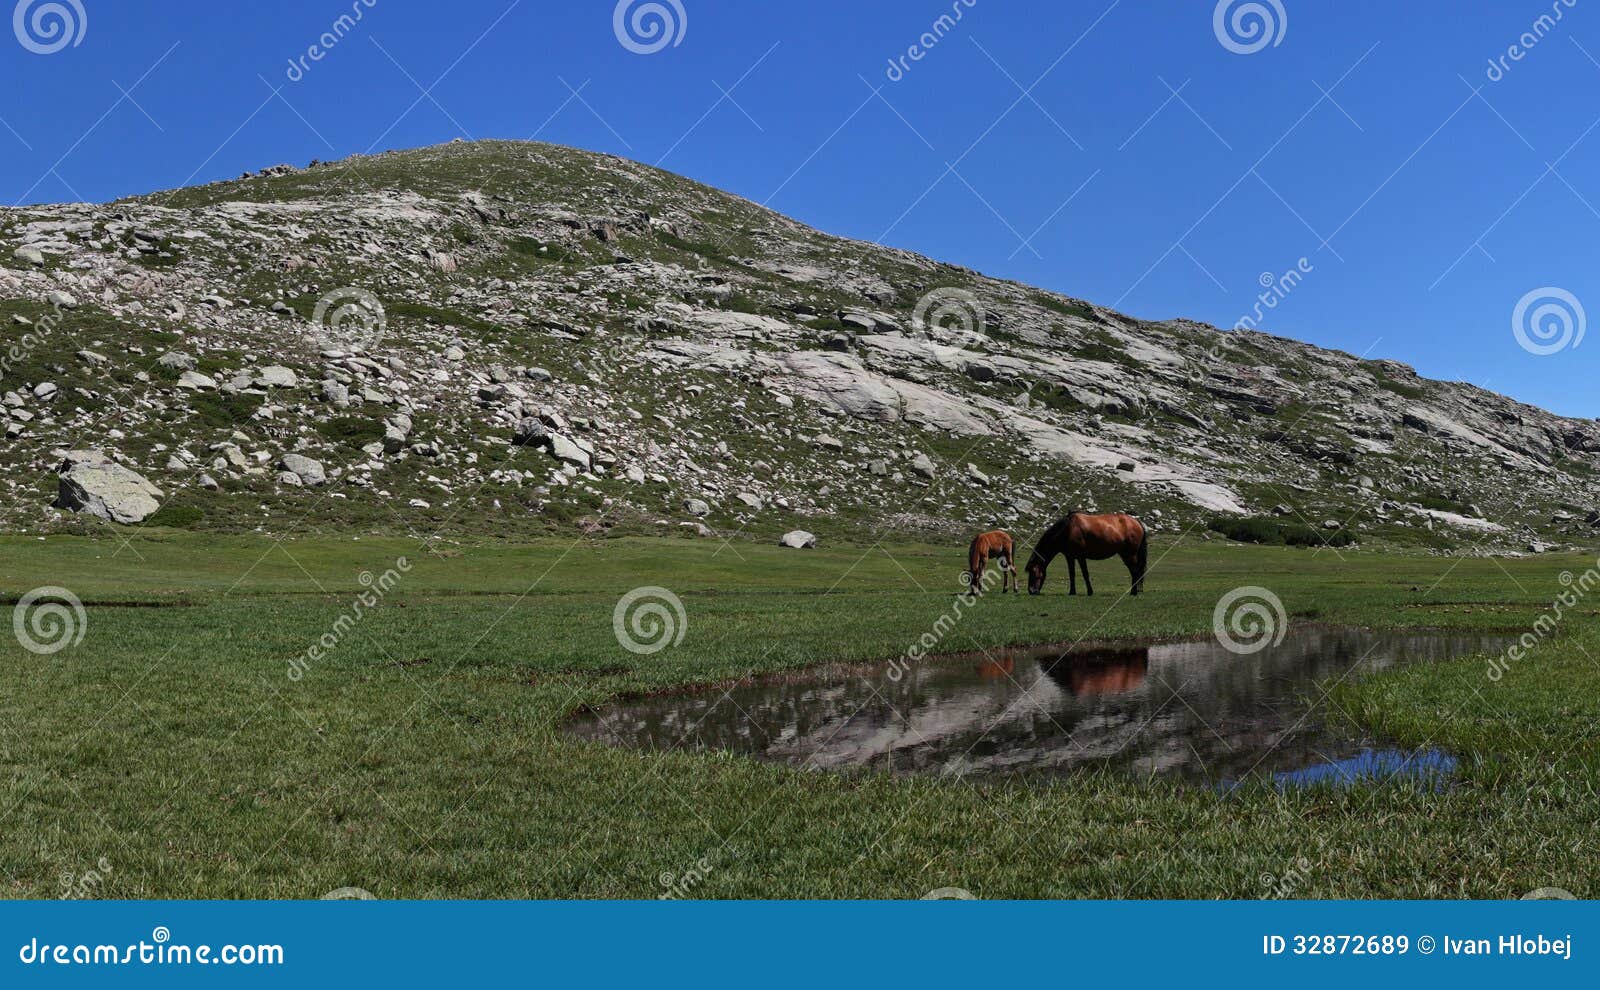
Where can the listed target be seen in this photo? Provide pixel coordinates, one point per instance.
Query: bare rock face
(91, 482)
(840, 379)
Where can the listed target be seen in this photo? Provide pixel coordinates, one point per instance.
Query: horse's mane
(1052, 538)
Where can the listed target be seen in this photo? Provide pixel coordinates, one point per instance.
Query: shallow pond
(1187, 709)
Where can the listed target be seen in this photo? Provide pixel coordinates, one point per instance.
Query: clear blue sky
(1424, 212)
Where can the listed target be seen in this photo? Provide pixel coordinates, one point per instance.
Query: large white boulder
(92, 482)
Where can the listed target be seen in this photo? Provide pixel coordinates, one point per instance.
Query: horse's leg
(1084, 563)
(1133, 571)
(1072, 576)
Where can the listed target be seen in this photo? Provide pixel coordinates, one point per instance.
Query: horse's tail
(1141, 559)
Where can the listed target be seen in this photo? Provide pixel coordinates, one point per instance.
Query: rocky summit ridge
(502, 338)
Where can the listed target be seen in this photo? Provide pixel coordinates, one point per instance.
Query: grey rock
(92, 482)
(567, 451)
(196, 382)
(530, 432)
(305, 469)
(277, 376)
(798, 539)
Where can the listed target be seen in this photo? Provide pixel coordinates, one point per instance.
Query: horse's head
(1036, 567)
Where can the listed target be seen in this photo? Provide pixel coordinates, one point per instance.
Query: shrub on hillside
(1261, 529)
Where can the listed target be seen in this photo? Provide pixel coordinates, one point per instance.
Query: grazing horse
(1083, 537)
(995, 544)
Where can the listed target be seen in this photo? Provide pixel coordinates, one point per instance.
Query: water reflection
(1185, 709)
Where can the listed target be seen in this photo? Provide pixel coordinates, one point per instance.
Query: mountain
(503, 338)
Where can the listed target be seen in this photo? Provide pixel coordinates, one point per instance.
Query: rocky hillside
(503, 338)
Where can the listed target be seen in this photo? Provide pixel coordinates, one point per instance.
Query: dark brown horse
(1083, 537)
(995, 544)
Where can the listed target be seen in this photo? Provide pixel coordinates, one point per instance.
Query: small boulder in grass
(798, 539)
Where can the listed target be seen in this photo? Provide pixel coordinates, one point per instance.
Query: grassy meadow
(186, 746)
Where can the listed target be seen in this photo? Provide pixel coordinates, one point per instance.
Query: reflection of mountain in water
(1189, 708)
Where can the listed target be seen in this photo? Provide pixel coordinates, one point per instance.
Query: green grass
(1055, 305)
(537, 250)
(422, 756)
(355, 431)
(1261, 529)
